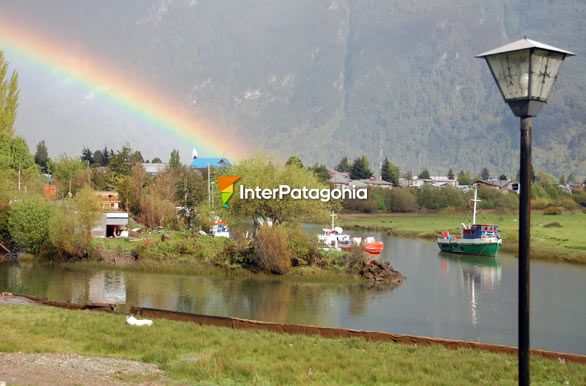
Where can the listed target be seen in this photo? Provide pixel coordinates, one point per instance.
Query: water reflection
(444, 295)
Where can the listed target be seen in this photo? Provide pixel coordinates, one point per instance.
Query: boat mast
(475, 200)
(333, 216)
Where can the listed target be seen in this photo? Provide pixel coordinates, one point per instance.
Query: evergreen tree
(451, 174)
(562, 180)
(360, 169)
(485, 174)
(464, 178)
(294, 160)
(98, 157)
(87, 157)
(390, 172)
(344, 165)
(42, 157)
(571, 179)
(174, 160)
(321, 172)
(105, 156)
(424, 175)
(502, 177)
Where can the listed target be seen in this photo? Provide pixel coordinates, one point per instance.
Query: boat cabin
(481, 231)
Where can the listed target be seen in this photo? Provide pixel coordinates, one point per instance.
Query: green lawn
(223, 356)
(565, 241)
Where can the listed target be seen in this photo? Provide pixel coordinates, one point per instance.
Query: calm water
(444, 296)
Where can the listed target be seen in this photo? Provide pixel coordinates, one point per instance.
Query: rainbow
(147, 103)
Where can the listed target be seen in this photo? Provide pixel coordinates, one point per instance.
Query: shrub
(365, 206)
(554, 224)
(28, 223)
(552, 210)
(567, 202)
(271, 250)
(304, 247)
(401, 200)
(539, 203)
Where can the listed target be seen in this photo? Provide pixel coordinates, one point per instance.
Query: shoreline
(428, 226)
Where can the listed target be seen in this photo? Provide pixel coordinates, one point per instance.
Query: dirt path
(69, 369)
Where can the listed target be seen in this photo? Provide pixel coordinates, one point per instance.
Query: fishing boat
(475, 239)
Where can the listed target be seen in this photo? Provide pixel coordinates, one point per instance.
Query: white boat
(333, 238)
(220, 229)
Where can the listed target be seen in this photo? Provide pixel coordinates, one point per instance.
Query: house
(153, 168)
(502, 185)
(214, 162)
(114, 222)
(375, 182)
(338, 179)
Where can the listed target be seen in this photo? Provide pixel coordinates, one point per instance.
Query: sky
(82, 86)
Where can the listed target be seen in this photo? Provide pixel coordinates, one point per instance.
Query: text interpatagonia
(304, 193)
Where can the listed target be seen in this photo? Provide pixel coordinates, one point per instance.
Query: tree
(294, 160)
(464, 178)
(485, 174)
(174, 160)
(562, 180)
(136, 158)
(321, 172)
(42, 157)
(157, 160)
(503, 177)
(360, 169)
(8, 99)
(571, 179)
(424, 175)
(268, 173)
(390, 172)
(344, 165)
(105, 156)
(87, 156)
(28, 223)
(71, 226)
(451, 174)
(65, 170)
(21, 158)
(98, 157)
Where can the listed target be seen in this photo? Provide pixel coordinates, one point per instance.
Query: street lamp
(525, 72)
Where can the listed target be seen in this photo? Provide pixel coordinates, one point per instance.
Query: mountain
(323, 79)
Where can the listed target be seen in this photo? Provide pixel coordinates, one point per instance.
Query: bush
(271, 250)
(400, 200)
(304, 247)
(430, 197)
(365, 206)
(539, 203)
(28, 223)
(567, 202)
(552, 210)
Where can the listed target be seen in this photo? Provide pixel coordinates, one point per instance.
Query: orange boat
(370, 245)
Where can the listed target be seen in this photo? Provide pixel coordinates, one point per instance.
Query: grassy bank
(560, 237)
(223, 356)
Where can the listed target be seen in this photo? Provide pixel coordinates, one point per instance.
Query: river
(446, 296)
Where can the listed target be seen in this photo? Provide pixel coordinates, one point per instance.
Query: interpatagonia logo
(226, 184)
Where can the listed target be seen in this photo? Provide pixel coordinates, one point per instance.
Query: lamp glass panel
(511, 70)
(544, 69)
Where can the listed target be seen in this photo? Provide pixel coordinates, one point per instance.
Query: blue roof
(215, 162)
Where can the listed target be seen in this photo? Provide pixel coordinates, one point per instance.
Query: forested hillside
(321, 79)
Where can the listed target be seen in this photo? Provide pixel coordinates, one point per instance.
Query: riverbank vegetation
(556, 238)
(189, 352)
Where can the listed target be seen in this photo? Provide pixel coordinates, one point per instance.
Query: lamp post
(525, 72)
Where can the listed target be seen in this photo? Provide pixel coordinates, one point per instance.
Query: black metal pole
(524, 238)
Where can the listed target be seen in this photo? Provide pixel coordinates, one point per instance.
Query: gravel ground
(8, 298)
(68, 369)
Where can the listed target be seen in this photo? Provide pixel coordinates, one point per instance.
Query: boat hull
(489, 248)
